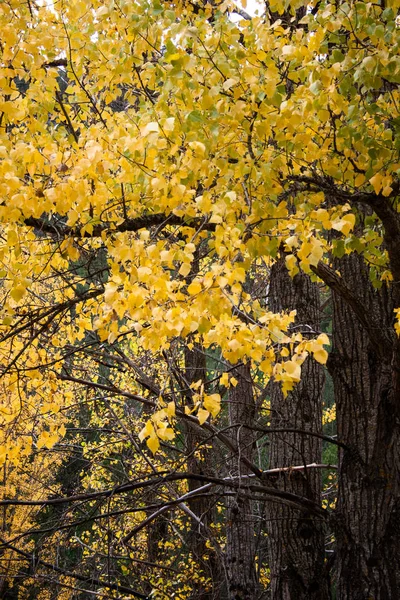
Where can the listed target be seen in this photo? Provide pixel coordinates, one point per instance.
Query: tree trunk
(368, 508)
(240, 534)
(200, 460)
(296, 537)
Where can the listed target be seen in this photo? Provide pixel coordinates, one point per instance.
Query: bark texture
(296, 537)
(364, 367)
(200, 460)
(240, 532)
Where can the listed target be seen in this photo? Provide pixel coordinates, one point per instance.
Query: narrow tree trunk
(368, 509)
(296, 538)
(240, 536)
(200, 461)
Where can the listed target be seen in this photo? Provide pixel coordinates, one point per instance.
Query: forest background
(200, 302)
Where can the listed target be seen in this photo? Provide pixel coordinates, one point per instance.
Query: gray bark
(364, 374)
(296, 537)
(240, 532)
(200, 460)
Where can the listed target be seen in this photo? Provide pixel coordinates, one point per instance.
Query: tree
(190, 150)
(297, 538)
(240, 539)
(370, 458)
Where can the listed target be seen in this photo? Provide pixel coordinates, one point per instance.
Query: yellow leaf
(165, 433)
(323, 339)
(170, 409)
(387, 190)
(266, 366)
(150, 128)
(148, 430)
(322, 215)
(234, 345)
(321, 356)
(376, 182)
(202, 415)
(185, 269)
(292, 241)
(196, 385)
(345, 224)
(153, 443)
(112, 336)
(194, 288)
(239, 274)
(224, 379)
(359, 180)
(397, 324)
(110, 292)
(169, 124)
(12, 237)
(18, 292)
(231, 195)
(316, 253)
(291, 264)
(158, 416)
(9, 36)
(47, 440)
(73, 253)
(229, 83)
(198, 148)
(143, 273)
(212, 403)
(293, 369)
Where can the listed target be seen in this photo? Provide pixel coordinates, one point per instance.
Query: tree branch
(380, 340)
(273, 493)
(32, 559)
(143, 222)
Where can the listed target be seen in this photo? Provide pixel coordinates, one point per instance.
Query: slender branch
(321, 436)
(33, 560)
(116, 391)
(242, 13)
(35, 317)
(189, 495)
(167, 504)
(284, 497)
(66, 115)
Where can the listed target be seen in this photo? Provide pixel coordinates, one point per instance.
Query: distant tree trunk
(3, 529)
(364, 373)
(200, 461)
(240, 533)
(296, 537)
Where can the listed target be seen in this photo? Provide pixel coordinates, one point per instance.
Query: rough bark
(296, 538)
(200, 460)
(240, 533)
(365, 377)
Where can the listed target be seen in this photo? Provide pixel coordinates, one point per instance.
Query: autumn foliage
(160, 164)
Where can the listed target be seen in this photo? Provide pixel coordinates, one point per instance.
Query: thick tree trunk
(240, 532)
(364, 376)
(296, 538)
